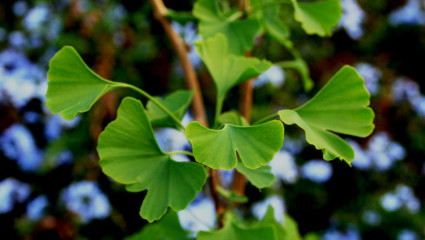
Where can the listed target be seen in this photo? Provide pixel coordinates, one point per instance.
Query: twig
(160, 12)
(245, 106)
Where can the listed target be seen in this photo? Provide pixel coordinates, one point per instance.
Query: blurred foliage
(51, 185)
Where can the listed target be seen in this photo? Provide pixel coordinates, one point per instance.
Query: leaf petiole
(266, 119)
(180, 152)
(148, 96)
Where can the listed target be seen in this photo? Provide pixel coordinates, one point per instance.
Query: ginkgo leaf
(228, 70)
(130, 154)
(240, 33)
(167, 228)
(73, 87)
(318, 17)
(269, 18)
(261, 177)
(232, 230)
(341, 106)
(269, 220)
(234, 118)
(177, 103)
(219, 149)
(288, 230)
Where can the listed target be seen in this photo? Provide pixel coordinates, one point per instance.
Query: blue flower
(352, 18)
(317, 171)
(35, 17)
(86, 200)
(411, 13)
(36, 207)
(17, 143)
(12, 191)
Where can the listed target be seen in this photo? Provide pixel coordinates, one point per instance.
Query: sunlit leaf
(73, 87)
(228, 70)
(234, 118)
(268, 16)
(291, 228)
(288, 230)
(255, 145)
(269, 220)
(318, 17)
(261, 177)
(341, 106)
(240, 33)
(168, 228)
(177, 103)
(232, 230)
(130, 154)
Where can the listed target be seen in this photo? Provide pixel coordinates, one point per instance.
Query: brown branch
(160, 12)
(245, 106)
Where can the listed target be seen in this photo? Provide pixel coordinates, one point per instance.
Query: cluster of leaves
(129, 152)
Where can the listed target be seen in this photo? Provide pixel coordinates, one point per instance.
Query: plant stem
(245, 106)
(180, 152)
(160, 13)
(266, 119)
(218, 108)
(162, 107)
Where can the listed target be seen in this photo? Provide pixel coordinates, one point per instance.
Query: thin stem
(218, 108)
(160, 13)
(162, 107)
(266, 119)
(180, 152)
(245, 106)
(288, 64)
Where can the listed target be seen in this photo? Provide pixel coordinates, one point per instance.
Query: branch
(160, 12)
(245, 106)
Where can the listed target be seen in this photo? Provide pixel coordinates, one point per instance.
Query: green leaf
(255, 145)
(318, 17)
(291, 228)
(261, 177)
(269, 220)
(73, 87)
(130, 154)
(271, 22)
(240, 33)
(234, 118)
(288, 230)
(228, 70)
(341, 106)
(177, 103)
(233, 231)
(168, 228)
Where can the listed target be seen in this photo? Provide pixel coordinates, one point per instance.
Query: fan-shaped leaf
(341, 107)
(318, 17)
(288, 230)
(233, 231)
(228, 70)
(177, 103)
(167, 228)
(240, 33)
(130, 154)
(73, 87)
(255, 145)
(261, 177)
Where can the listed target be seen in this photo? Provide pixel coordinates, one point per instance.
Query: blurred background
(51, 186)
